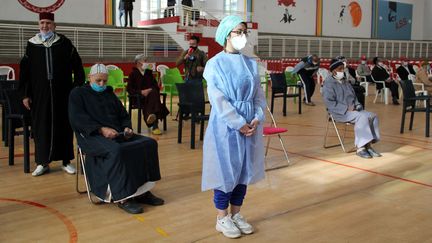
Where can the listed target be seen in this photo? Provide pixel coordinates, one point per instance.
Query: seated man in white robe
(343, 105)
(121, 166)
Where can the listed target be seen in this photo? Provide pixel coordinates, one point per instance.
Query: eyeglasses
(241, 32)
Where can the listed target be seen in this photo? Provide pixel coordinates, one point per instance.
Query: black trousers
(128, 12)
(309, 88)
(393, 86)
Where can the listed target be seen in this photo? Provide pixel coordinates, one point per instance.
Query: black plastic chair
(5, 85)
(409, 105)
(16, 116)
(137, 98)
(191, 102)
(279, 90)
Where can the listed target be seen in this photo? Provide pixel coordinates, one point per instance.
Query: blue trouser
(236, 197)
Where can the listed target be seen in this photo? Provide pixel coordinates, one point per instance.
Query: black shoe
(395, 102)
(364, 154)
(373, 153)
(150, 199)
(131, 207)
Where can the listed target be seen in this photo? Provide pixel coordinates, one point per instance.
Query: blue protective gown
(236, 96)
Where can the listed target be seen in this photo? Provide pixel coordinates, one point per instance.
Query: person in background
(307, 68)
(380, 73)
(351, 77)
(405, 69)
(233, 151)
(171, 4)
(364, 70)
(341, 102)
(187, 11)
(194, 61)
(121, 166)
(142, 83)
(45, 82)
(128, 8)
(422, 77)
(121, 12)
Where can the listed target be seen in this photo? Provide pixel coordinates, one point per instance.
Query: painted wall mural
(346, 18)
(295, 17)
(393, 20)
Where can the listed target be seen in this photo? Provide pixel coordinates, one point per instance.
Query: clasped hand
(249, 129)
(110, 133)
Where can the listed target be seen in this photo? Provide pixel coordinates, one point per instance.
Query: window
(230, 6)
(152, 9)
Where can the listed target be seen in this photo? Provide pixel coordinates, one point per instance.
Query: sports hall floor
(324, 196)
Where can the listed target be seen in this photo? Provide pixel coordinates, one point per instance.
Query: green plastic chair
(116, 81)
(171, 77)
(86, 73)
(291, 80)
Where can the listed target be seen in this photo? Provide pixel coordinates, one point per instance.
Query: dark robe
(380, 74)
(124, 165)
(403, 73)
(46, 78)
(150, 104)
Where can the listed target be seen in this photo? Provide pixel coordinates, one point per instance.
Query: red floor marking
(73, 234)
(358, 168)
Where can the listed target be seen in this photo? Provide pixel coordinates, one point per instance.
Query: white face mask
(404, 63)
(339, 75)
(381, 64)
(144, 66)
(238, 42)
(363, 62)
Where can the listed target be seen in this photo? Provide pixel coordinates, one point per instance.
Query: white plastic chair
(384, 92)
(8, 71)
(289, 69)
(363, 82)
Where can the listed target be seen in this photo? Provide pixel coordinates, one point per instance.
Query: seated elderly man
(121, 166)
(343, 105)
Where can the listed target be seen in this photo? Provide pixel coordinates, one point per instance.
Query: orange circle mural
(356, 13)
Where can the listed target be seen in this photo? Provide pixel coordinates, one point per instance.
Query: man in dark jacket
(120, 164)
(45, 82)
(128, 8)
(380, 73)
(306, 69)
(405, 69)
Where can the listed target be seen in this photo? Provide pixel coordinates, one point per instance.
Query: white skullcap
(140, 57)
(98, 68)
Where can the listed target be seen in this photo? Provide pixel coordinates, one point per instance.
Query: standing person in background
(45, 82)
(233, 152)
(171, 4)
(121, 12)
(128, 7)
(194, 61)
(307, 68)
(187, 11)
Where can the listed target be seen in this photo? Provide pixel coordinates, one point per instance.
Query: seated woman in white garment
(121, 166)
(342, 104)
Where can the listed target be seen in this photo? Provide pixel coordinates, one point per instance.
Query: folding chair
(81, 165)
(340, 138)
(271, 131)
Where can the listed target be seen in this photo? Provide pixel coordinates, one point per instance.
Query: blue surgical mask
(47, 35)
(98, 88)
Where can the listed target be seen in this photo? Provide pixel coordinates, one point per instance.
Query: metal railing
(280, 46)
(95, 44)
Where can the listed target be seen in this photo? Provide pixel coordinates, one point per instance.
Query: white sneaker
(40, 170)
(227, 227)
(69, 168)
(242, 224)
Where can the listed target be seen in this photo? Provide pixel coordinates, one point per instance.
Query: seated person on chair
(121, 166)
(380, 73)
(141, 82)
(405, 69)
(364, 70)
(422, 77)
(343, 105)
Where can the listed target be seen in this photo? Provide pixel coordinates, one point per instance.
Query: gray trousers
(366, 128)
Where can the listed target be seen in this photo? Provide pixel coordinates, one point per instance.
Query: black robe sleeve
(24, 77)
(133, 86)
(125, 120)
(77, 67)
(79, 119)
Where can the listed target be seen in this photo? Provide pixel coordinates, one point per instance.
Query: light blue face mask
(98, 88)
(47, 35)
